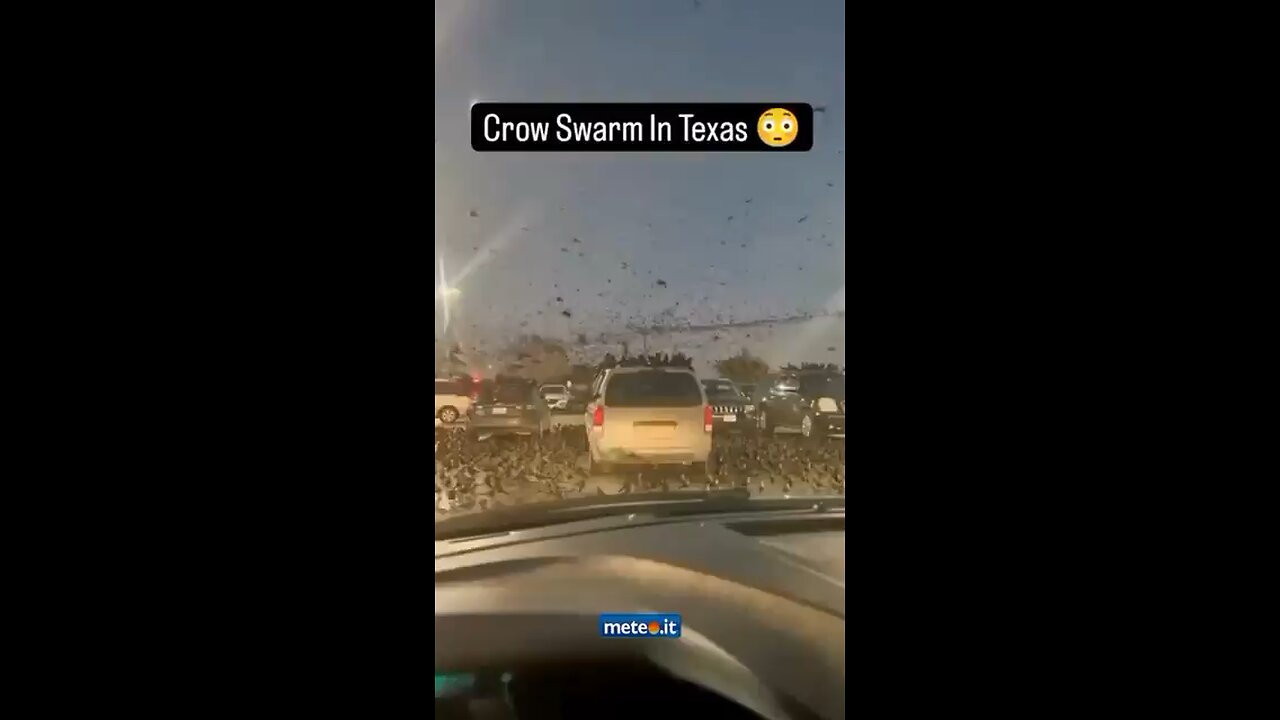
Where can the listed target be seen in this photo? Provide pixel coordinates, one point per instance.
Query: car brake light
(597, 418)
(707, 424)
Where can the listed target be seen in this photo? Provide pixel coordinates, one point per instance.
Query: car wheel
(448, 414)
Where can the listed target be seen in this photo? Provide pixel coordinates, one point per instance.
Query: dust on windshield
(558, 267)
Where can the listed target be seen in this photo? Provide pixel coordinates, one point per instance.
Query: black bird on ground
(475, 475)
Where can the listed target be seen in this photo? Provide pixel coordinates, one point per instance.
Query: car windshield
(555, 265)
(506, 393)
(720, 387)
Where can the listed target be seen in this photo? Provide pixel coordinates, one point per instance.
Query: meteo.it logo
(640, 625)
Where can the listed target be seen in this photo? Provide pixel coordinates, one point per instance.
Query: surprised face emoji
(777, 127)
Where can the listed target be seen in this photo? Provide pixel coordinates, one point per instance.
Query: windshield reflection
(560, 267)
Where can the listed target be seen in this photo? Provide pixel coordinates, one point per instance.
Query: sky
(665, 215)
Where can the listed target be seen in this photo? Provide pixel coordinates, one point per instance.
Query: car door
(440, 388)
(784, 401)
(760, 394)
(540, 408)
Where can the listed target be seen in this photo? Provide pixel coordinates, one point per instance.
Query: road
(765, 485)
(566, 420)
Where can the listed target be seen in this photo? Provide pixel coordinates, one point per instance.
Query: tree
(743, 368)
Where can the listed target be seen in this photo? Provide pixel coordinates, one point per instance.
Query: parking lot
(557, 419)
(476, 475)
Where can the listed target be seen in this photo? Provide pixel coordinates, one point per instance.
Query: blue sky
(665, 215)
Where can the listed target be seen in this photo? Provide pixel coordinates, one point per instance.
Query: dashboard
(761, 596)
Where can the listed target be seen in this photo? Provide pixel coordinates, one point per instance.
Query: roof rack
(658, 360)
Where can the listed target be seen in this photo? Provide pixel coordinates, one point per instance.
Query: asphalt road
(565, 419)
(762, 483)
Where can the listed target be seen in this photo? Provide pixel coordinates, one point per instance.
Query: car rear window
(553, 389)
(506, 393)
(446, 387)
(652, 389)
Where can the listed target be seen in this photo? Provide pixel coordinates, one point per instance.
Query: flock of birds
(647, 300)
(474, 475)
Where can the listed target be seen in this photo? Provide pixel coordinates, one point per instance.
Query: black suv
(730, 407)
(811, 401)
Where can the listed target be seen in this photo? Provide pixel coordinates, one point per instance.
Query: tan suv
(648, 416)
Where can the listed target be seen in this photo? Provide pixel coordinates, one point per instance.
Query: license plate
(499, 411)
(730, 418)
(654, 433)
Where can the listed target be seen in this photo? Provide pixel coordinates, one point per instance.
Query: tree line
(545, 360)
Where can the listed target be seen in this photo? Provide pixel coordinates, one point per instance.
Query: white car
(648, 416)
(451, 402)
(556, 396)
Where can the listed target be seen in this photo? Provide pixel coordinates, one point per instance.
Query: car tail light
(597, 418)
(707, 424)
